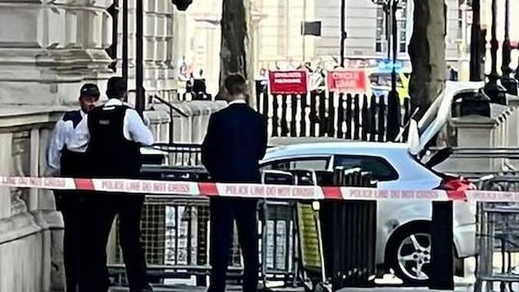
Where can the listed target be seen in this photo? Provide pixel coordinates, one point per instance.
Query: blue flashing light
(387, 66)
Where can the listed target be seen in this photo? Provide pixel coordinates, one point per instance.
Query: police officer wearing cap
(116, 134)
(66, 157)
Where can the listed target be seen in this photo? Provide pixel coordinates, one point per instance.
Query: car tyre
(408, 254)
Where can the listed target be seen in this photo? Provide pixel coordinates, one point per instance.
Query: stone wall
(31, 231)
(30, 228)
(48, 49)
(51, 48)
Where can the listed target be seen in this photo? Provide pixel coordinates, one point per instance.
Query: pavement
(465, 287)
(188, 288)
(238, 289)
(388, 283)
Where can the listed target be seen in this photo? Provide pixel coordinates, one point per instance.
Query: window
(314, 163)
(384, 79)
(403, 47)
(381, 31)
(402, 26)
(459, 20)
(378, 47)
(379, 167)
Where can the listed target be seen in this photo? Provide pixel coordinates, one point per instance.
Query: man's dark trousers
(70, 203)
(113, 156)
(223, 211)
(106, 207)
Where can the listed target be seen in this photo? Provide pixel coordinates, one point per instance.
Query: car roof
(328, 147)
(396, 154)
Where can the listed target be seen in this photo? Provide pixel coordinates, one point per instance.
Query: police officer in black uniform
(116, 134)
(66, 157)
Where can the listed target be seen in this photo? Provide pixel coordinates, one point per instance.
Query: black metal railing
(180, 154)
(349, 116)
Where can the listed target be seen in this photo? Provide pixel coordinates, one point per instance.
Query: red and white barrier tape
(285, 192)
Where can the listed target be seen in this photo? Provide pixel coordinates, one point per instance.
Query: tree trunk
(427, 53)
(235, 41)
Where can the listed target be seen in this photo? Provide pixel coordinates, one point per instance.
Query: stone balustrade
(475, 131)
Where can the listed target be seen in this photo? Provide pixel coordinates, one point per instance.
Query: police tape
(258, 191)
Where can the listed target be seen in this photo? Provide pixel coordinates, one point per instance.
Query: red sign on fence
(288, 82)
(347, 81)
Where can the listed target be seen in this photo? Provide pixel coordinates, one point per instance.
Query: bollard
(442, 270)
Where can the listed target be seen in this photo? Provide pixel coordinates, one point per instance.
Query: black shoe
(146, 288)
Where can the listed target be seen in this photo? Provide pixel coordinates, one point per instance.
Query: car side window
(317, 163)
(379, 167)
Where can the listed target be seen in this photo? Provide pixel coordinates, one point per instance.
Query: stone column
(50, 48)
(20, 161)
(158, 46)
(5, 170)
(34, 167)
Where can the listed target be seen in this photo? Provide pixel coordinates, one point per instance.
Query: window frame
(329, 158)
(376, 158)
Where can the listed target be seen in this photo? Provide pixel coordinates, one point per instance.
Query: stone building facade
(280, 34)
(48, 49)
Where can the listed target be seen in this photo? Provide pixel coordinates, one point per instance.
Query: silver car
(403, 236)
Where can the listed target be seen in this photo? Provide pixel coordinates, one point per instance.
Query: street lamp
(390, 7)
(386, 7)
(182, 5)
(517, 70)
(477, 43)
(507, 80)
(493, 88)
(343, 30)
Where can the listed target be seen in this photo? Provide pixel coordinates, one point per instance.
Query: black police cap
(89, 89)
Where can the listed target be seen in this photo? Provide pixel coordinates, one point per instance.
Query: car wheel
(409, 254)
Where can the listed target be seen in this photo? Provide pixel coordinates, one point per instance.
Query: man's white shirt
(76, 139)
(134, 129)
(65, 135)
(237, 101)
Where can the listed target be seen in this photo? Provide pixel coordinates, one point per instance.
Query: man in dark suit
(236, 140)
